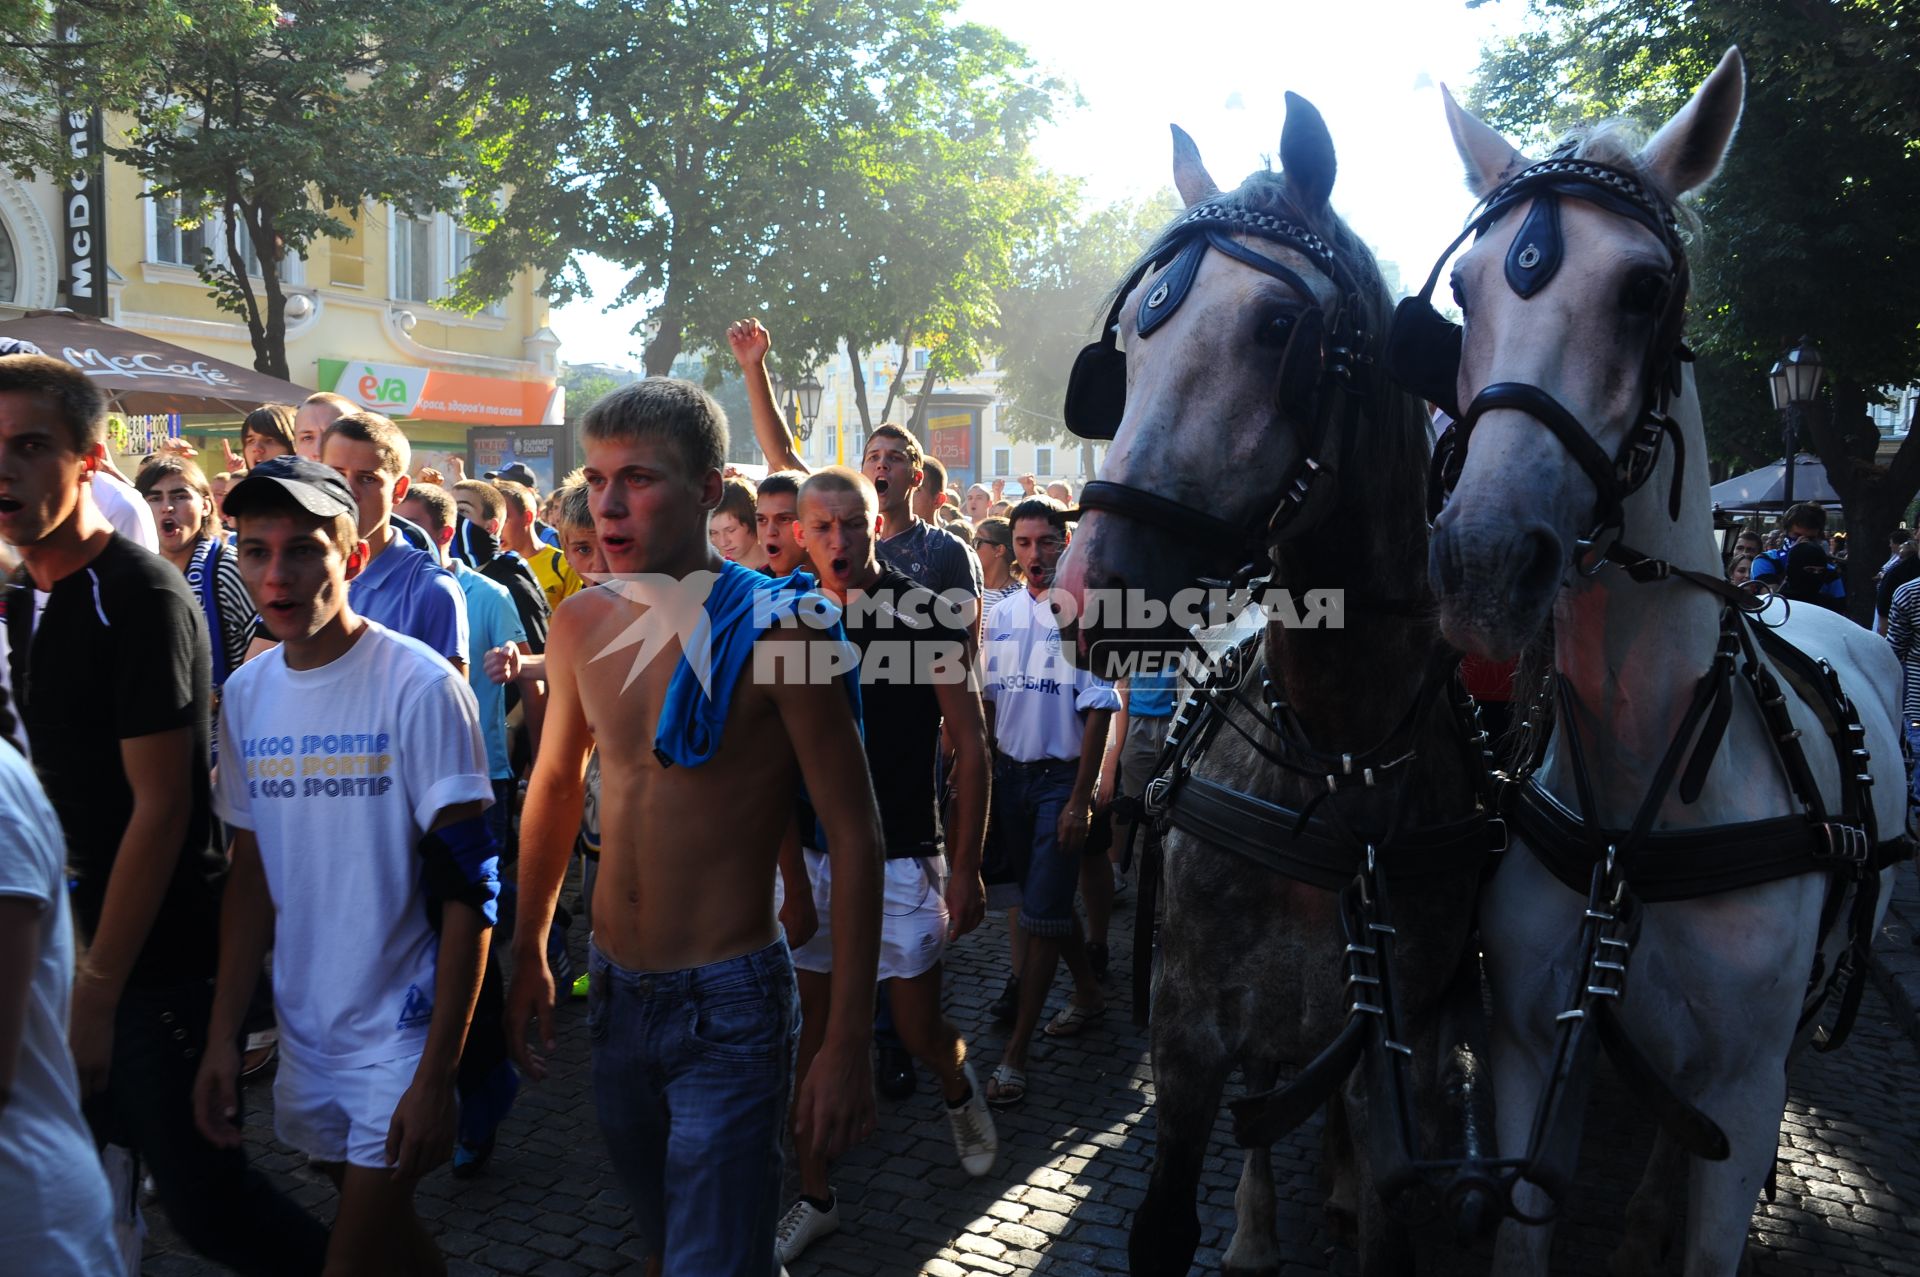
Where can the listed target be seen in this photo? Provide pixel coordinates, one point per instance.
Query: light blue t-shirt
(406, 591)
(1151, 695)
(492, 621)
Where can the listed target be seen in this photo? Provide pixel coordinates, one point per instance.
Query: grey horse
(1233, 435)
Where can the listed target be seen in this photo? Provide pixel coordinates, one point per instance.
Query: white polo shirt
(1040, 699)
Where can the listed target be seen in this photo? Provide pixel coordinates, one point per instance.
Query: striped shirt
(1903, 625)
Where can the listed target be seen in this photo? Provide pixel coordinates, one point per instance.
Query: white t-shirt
(126, 510)
(55, 1208)
(339, 772)
(1040, 699)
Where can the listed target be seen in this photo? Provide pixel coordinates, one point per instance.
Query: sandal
(1006, 1088)
(1074, 1020)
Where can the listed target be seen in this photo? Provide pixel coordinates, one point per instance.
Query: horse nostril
(1443, 564)
(1540, 561)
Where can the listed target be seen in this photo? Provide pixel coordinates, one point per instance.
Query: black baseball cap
(317, 489)
(518, 472)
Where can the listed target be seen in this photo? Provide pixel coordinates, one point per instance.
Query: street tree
(1807, 230)
(1057, 302)
(96, 57)
(278, 123)
(849, 173)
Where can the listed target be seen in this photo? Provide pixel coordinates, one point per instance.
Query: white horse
(1716, 982)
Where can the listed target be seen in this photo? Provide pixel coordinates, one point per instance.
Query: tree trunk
(860, 387)
(267, 247)
(1086, 459)
(917, 426)
(1872, 496)
(899, 381)
(668, 339)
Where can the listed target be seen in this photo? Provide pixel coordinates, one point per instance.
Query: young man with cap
(400, 587)
(354, 790)
(112, 676)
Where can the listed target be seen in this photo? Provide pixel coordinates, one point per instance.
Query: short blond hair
(840, 479)
(396, 454)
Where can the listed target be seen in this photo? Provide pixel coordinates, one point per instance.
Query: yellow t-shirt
(555, 574)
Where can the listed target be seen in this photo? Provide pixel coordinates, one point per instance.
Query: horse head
(1572, 299)
(1233, 358)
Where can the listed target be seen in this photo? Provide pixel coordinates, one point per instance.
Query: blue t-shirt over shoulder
(492, 621)
(743, 605)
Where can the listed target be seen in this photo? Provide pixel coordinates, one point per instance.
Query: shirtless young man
(692, 1003)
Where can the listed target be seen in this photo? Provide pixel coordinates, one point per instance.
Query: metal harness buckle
(1845, 843)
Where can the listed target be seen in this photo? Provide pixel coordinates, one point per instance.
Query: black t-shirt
(907, 638)
(119, 652)
(1907, 569)
(510, 570)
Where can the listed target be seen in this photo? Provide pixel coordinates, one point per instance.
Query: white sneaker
(974, 1135)
(802, 1226)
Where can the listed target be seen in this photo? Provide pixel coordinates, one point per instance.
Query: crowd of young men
(361, 823)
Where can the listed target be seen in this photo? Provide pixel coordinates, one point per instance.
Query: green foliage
(584, 389)
(1808, 228)
(1057, 302)
(283, 118)
(844, 172)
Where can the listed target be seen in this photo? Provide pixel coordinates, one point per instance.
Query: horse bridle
(1423, 348)
(1319, 353)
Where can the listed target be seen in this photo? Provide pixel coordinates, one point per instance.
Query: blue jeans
(1027, 800)
(692, 1074)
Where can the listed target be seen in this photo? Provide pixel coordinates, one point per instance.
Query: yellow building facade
(363, 317)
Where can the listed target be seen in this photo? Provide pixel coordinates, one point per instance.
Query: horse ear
(1489, 157)
(1686, 153)
(1189, 174)
(1306, 153)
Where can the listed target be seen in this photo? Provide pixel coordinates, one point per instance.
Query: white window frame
(1042, 460)
(293, 269)
(443, 240)
(1003, 463)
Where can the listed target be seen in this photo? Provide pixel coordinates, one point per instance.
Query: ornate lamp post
(809, 391)
(1794, 380)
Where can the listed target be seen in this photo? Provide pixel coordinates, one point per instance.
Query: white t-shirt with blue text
(1040, 699)
(339, 772)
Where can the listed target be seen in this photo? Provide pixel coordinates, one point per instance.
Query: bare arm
(750, 343)
(19, 954)
(966, 730)
(798, 917)
(835, 1108)
(420, 1136)
(158, 768)
(246, 932)
(1077, 815)
(556, 797)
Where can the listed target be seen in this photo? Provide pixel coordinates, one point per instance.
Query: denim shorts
(1027, 800)
(692, 1075)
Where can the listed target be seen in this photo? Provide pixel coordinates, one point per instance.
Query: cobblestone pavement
(1074, 1165)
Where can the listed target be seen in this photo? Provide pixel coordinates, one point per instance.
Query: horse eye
(1644, 294)
(1274, 332)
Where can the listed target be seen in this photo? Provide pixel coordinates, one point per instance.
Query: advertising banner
(83, 226)
(406, 390)
(546, 450)
(950, 436)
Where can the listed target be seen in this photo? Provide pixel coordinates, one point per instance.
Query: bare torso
(687, 854)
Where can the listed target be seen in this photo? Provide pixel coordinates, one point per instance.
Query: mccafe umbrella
(1766, 488)
(142, 375)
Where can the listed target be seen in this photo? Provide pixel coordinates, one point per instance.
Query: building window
(1043, 460)
(1002, 462)
(920, 360)
(173, 243)
(465, 244)
(413, 258)
(9, 267)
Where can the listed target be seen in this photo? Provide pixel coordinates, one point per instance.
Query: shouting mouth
(11, 505)
(168, 527)
(840, 566)
(880, 486)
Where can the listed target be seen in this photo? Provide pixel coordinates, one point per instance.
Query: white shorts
(913, 916)
(339, 1115)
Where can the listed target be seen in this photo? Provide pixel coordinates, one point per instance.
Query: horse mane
(1393, 439)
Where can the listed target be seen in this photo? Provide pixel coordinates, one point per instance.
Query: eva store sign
(404, 390)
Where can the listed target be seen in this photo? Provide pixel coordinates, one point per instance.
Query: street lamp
(810, 391)
(1794, 380)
